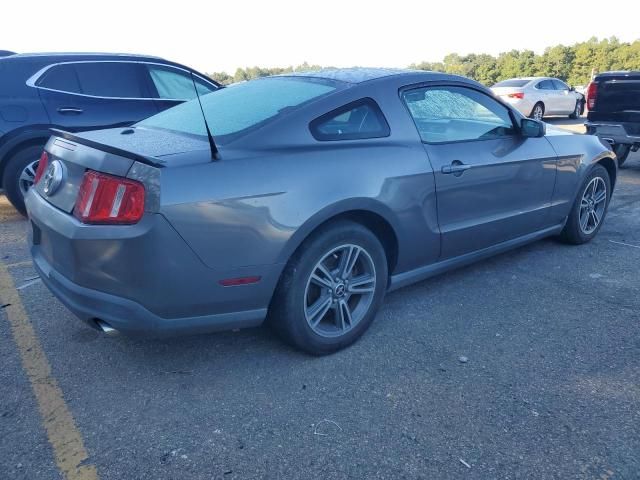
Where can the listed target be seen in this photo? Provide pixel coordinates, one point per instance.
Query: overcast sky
(221, 36)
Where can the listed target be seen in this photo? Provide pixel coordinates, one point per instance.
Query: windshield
(512, 83)
(240, 108)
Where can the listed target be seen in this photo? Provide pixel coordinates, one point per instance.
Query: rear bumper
(523, 105)
(131, 318)
(141, 279)
(612, 133)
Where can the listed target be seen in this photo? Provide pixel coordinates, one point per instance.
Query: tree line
(573, 64)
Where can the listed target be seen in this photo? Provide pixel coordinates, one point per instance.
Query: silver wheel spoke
(348, 260)
(322, 277)
(362, 284)
(343, 315)
(600, 196)
(584, 221)
(318, 310)
(596, 218)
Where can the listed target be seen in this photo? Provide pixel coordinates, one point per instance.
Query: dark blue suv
(77, 92)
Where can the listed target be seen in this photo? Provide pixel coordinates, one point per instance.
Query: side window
(60, 77)
(175, 84)
(111, 79)
(454, 114)
(560, 85)
(545, 85)
(356, 120)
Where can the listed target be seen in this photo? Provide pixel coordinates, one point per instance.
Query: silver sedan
(537, 97)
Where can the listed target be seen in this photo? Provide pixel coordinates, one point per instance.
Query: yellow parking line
(64, 436)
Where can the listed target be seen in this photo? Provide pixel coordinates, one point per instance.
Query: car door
(549, 96)
(566, 101)
(492, 183)
(171, 85)
(95, 94)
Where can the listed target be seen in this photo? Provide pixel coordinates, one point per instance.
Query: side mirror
(572, 89)
(531, 128)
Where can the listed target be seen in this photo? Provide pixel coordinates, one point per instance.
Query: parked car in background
(78, 92)
(536, 97)
(315, 194)
(613, 99)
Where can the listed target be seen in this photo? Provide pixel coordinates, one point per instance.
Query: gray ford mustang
(313, 196)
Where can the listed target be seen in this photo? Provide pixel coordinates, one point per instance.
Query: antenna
(212, 143)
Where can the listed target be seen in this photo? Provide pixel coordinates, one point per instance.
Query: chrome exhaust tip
(106, 328)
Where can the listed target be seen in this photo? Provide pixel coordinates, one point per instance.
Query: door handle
(69, 110)
(456, 168)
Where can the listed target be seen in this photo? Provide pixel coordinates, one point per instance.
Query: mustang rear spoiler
(154, 162)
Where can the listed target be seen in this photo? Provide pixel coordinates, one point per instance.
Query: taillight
(592, 94)
(43, 163)
(516, 95)
(107, 199)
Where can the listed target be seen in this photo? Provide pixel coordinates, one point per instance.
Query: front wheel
(589, 207)
(331, 289)
(577, 111)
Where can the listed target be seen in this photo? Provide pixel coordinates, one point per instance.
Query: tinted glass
(172, 83)
(560, 85)
(60, 77)
(546, 85)
(512, 83)
(110, 79)
(453, 114)
(361, 119)
(241, 107)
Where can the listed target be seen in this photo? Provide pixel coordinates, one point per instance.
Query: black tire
(533, 113)
(573, 232)
(622, 152)
(14, 168)
(289, 310)
(577, 111)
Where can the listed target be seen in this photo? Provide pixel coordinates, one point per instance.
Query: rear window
(61, 77)
(110, 79)
(512, 83)
(238, 109)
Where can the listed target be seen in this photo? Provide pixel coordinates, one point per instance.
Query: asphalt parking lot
(522, 366)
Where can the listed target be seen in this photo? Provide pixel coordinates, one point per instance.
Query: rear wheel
(538, 111)
(622, 152)
(331, 289)
(19, 175)
(589, 208)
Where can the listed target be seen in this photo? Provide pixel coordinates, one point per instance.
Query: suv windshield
(240, 108)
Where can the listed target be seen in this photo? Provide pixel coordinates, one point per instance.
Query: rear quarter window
(357, 120)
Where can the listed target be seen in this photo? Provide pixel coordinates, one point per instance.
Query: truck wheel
(622, 152)
(19, 174)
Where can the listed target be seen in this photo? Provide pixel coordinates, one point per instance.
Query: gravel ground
(522, 366)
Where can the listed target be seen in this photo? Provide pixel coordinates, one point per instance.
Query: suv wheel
(331, 289)
(19, 174)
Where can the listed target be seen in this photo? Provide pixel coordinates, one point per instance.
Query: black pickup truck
(613, 99)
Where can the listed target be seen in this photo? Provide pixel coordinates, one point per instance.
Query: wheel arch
(371, 214)
(19, 142)
(610, 165)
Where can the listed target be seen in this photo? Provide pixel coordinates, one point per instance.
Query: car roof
(357, 75)
(104, 55)
(618, 73)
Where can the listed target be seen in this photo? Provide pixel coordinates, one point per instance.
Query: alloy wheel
(537, 112)
(592, 205)
(340, 290)
(25, 182)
